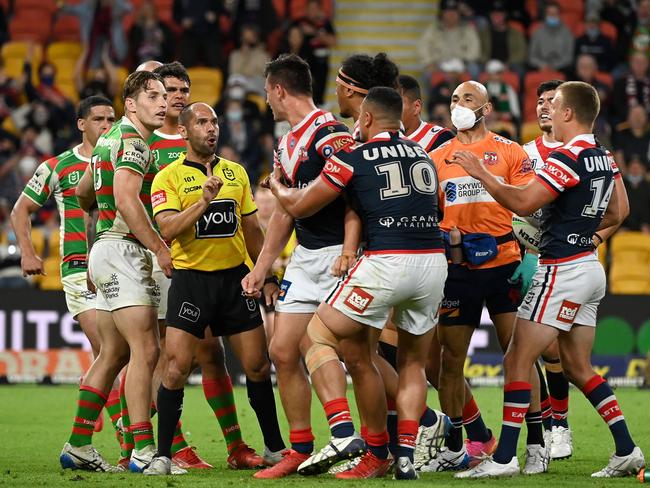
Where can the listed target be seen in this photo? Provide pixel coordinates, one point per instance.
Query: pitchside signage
(39, 338)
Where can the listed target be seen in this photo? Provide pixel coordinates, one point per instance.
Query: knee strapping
(323, 348)
(553, 365)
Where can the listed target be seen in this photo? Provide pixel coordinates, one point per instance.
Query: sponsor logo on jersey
(386, 221)
(358, 299)
(327, 151)
(450, 192)
(303, 154)
(37, 182)
(578, 240)
(229, 174)
(527, 166)
(219, 220)
(158, 198)
(466, 189)
(568, 312)
(74, 177)
(189, 311)
(557, 173)
(502, 139)
(284, 288)
(490, 158)
(330, 167)
(597, 163)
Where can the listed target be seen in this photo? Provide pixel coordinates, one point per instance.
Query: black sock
(534, 428)
(547, 413)
(261, 398)
(558, 388)
(454, 441)
(170, 406)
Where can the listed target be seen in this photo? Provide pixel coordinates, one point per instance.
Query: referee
(203, 204)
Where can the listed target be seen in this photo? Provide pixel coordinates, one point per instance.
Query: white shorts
(163, 284)
(410, 284)
(565, 294)
(121, 271)
(307, 280)
(78, 297)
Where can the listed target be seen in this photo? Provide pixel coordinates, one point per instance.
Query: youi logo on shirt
(219, 220)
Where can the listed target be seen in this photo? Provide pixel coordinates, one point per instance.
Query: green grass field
(35, 422)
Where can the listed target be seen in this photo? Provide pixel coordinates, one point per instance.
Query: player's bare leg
(295, 392)
(88, 323)
(561, 444)
(78, 452)
(139, 327)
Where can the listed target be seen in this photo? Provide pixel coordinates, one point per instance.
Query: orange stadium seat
(517, 26)
(606, 28)
(66, 28)
(605, 78)
(206, 85)
(510, 77)
(438, 77)
(630, 263)
(531, 82)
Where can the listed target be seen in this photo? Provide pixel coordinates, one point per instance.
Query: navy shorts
(466, 290)
(200, 299)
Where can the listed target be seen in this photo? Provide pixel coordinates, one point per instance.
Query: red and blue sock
(378, 444)
(516, 400)
(602, 397)
(473, 422)
(302, 441)
(339, 418)
(408, 432)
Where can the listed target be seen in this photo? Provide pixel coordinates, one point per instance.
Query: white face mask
(464, 118)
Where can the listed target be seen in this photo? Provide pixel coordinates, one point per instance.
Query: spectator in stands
(103, 81)
(586, 70)
(453, 71)
(320, 36)
(449, 38)
(638, 193)
(249, 60)
(237, 89)
(200, 37)
(632, 140)
(551, 45)
(502, 42)
(633, 89)
(4, 31)
(594, 43)
(621, 14)
(294, 43)
(242, 136)
(256, 12)
(10, 91)
(641, 34)
(516, 9)
(150, 38)
(10, 183)
(506, 111)
(101, 23)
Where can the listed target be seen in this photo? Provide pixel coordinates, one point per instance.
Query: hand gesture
(271, 291)
(164, 258)
(32, 265)
(211, 186)
(342, 264)
(275, 178)
(253, 283)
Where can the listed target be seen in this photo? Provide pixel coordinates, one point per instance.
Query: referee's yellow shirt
(216, 241)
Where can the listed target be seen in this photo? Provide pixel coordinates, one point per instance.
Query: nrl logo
(229, 174)
(74, 178)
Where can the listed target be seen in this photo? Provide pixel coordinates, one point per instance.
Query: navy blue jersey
(393, 186)
(302, 153)
(581, 174)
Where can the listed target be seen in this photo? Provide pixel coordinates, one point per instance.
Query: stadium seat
(206, 85)
(510, 77)
(67, 50)
(517, 26)
(606, 28)
(53, 244)
(30, 26)
(38, 241)
(605, 78)
(529, 131)
(14, 53)
(630, 263)
(52, 278)
(259, 101)
(66, 28)
(602, 254)
(531, 82)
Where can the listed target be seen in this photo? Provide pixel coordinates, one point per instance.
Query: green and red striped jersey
(166, 149)
(59, 176)
(121, 148)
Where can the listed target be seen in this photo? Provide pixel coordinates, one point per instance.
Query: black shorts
(467, 289)
(200, 299)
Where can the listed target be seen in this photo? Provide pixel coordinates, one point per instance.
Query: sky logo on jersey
(219, 220)
(568, 312)
(284, 288)
(358, 300)
(450, 191)
(490, 158)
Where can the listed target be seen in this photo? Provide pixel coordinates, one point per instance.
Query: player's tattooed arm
(30, 263)
(617, 210)
(352, 227)
(85, 191)
(302, 202)
(522, 200)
